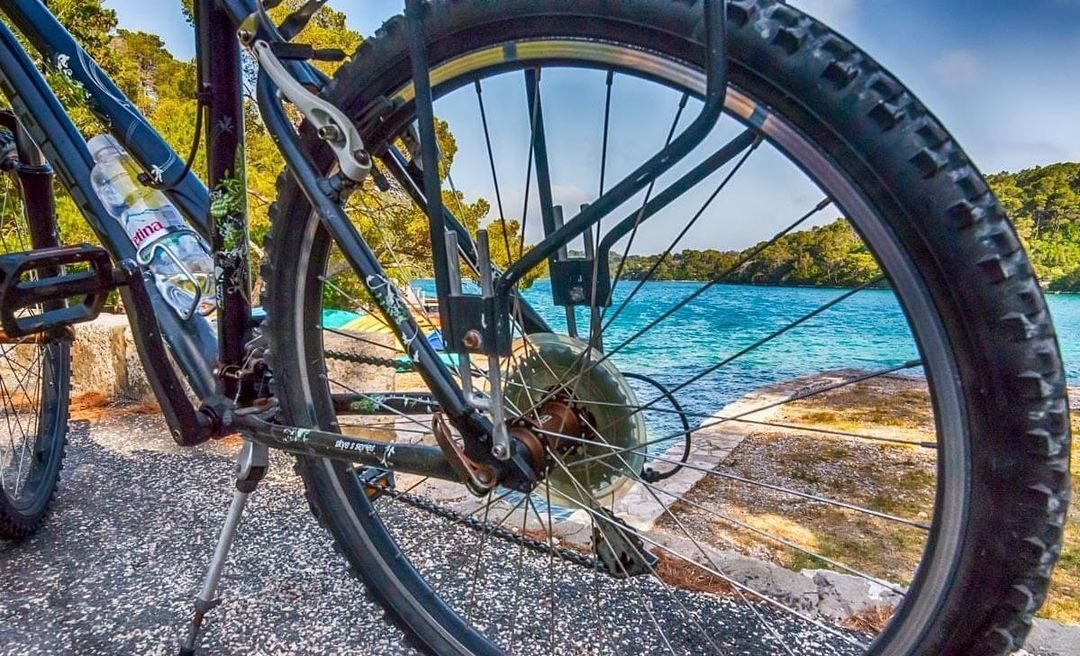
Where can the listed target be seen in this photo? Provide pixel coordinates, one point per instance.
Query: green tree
(163, 88)
(1044, 203)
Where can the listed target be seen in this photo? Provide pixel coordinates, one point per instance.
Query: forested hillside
(1044, 202)
(831, 255)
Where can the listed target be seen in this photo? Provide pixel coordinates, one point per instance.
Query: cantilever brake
(330, 123)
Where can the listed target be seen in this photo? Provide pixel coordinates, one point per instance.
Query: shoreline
(885, 287)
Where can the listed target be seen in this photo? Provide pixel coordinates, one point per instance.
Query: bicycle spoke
(517, 583)
(494, 175)
(765, 534)
(610, 79)
(713, 570)
(358, 338)
(551, 565)
(696, 431)
(682, 233)
(653, 489)
(717, 279)
(640, 555)
(30, 370)
(797, 397)
(13, 412)
(485, 535)
(793, 492)
(764, 340)
(377, 402)
(648, 195)
(585, 368)
(32, 420)
(768, 424)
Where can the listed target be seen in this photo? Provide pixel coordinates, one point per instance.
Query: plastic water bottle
(176, 255)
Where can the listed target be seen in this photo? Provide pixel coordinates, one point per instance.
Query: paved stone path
(115, 569)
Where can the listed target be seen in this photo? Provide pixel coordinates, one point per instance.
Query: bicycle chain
(427, 505)
(492, 529)
(362, 359)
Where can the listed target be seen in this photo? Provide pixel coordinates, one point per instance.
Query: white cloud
(958, 68)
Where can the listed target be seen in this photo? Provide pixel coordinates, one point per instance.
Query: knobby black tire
(917, 177)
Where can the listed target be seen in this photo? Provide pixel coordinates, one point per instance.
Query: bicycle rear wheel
(34, 388)
(737, 541)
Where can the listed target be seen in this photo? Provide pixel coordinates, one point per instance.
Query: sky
(1001, 75)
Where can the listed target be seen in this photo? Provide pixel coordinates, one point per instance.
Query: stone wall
(104, 360)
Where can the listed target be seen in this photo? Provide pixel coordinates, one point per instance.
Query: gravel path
(115, 569)
(116, 566)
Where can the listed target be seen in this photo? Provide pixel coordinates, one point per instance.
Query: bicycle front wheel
(733, 455)
(34, 388)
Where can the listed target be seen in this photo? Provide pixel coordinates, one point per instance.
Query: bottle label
(146, 227)
(147, 232)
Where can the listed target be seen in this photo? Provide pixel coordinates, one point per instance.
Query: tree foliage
(831, 255)
(163, 89)
(1043, 202)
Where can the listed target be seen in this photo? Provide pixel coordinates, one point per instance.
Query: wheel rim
(943, 534)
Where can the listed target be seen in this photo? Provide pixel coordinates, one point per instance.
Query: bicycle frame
(218, 366)
(209, 361)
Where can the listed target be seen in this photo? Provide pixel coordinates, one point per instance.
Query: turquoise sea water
(866, 331)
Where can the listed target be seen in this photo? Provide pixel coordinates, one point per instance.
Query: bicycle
(534, 439)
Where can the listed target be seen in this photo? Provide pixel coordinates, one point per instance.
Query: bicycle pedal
(35, 297)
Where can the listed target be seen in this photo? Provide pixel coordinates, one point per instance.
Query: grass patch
(1063, 602)
(896, 480)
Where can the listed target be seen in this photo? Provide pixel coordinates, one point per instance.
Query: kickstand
(251, 466)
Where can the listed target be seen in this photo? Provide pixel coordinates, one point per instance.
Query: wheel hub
(576, 419)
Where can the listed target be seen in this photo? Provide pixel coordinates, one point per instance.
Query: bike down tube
(123, 120)
(390, 302)
(715, 92)
(192, 343)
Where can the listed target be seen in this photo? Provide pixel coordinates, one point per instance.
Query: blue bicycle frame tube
(123, 120)
(192, 343)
